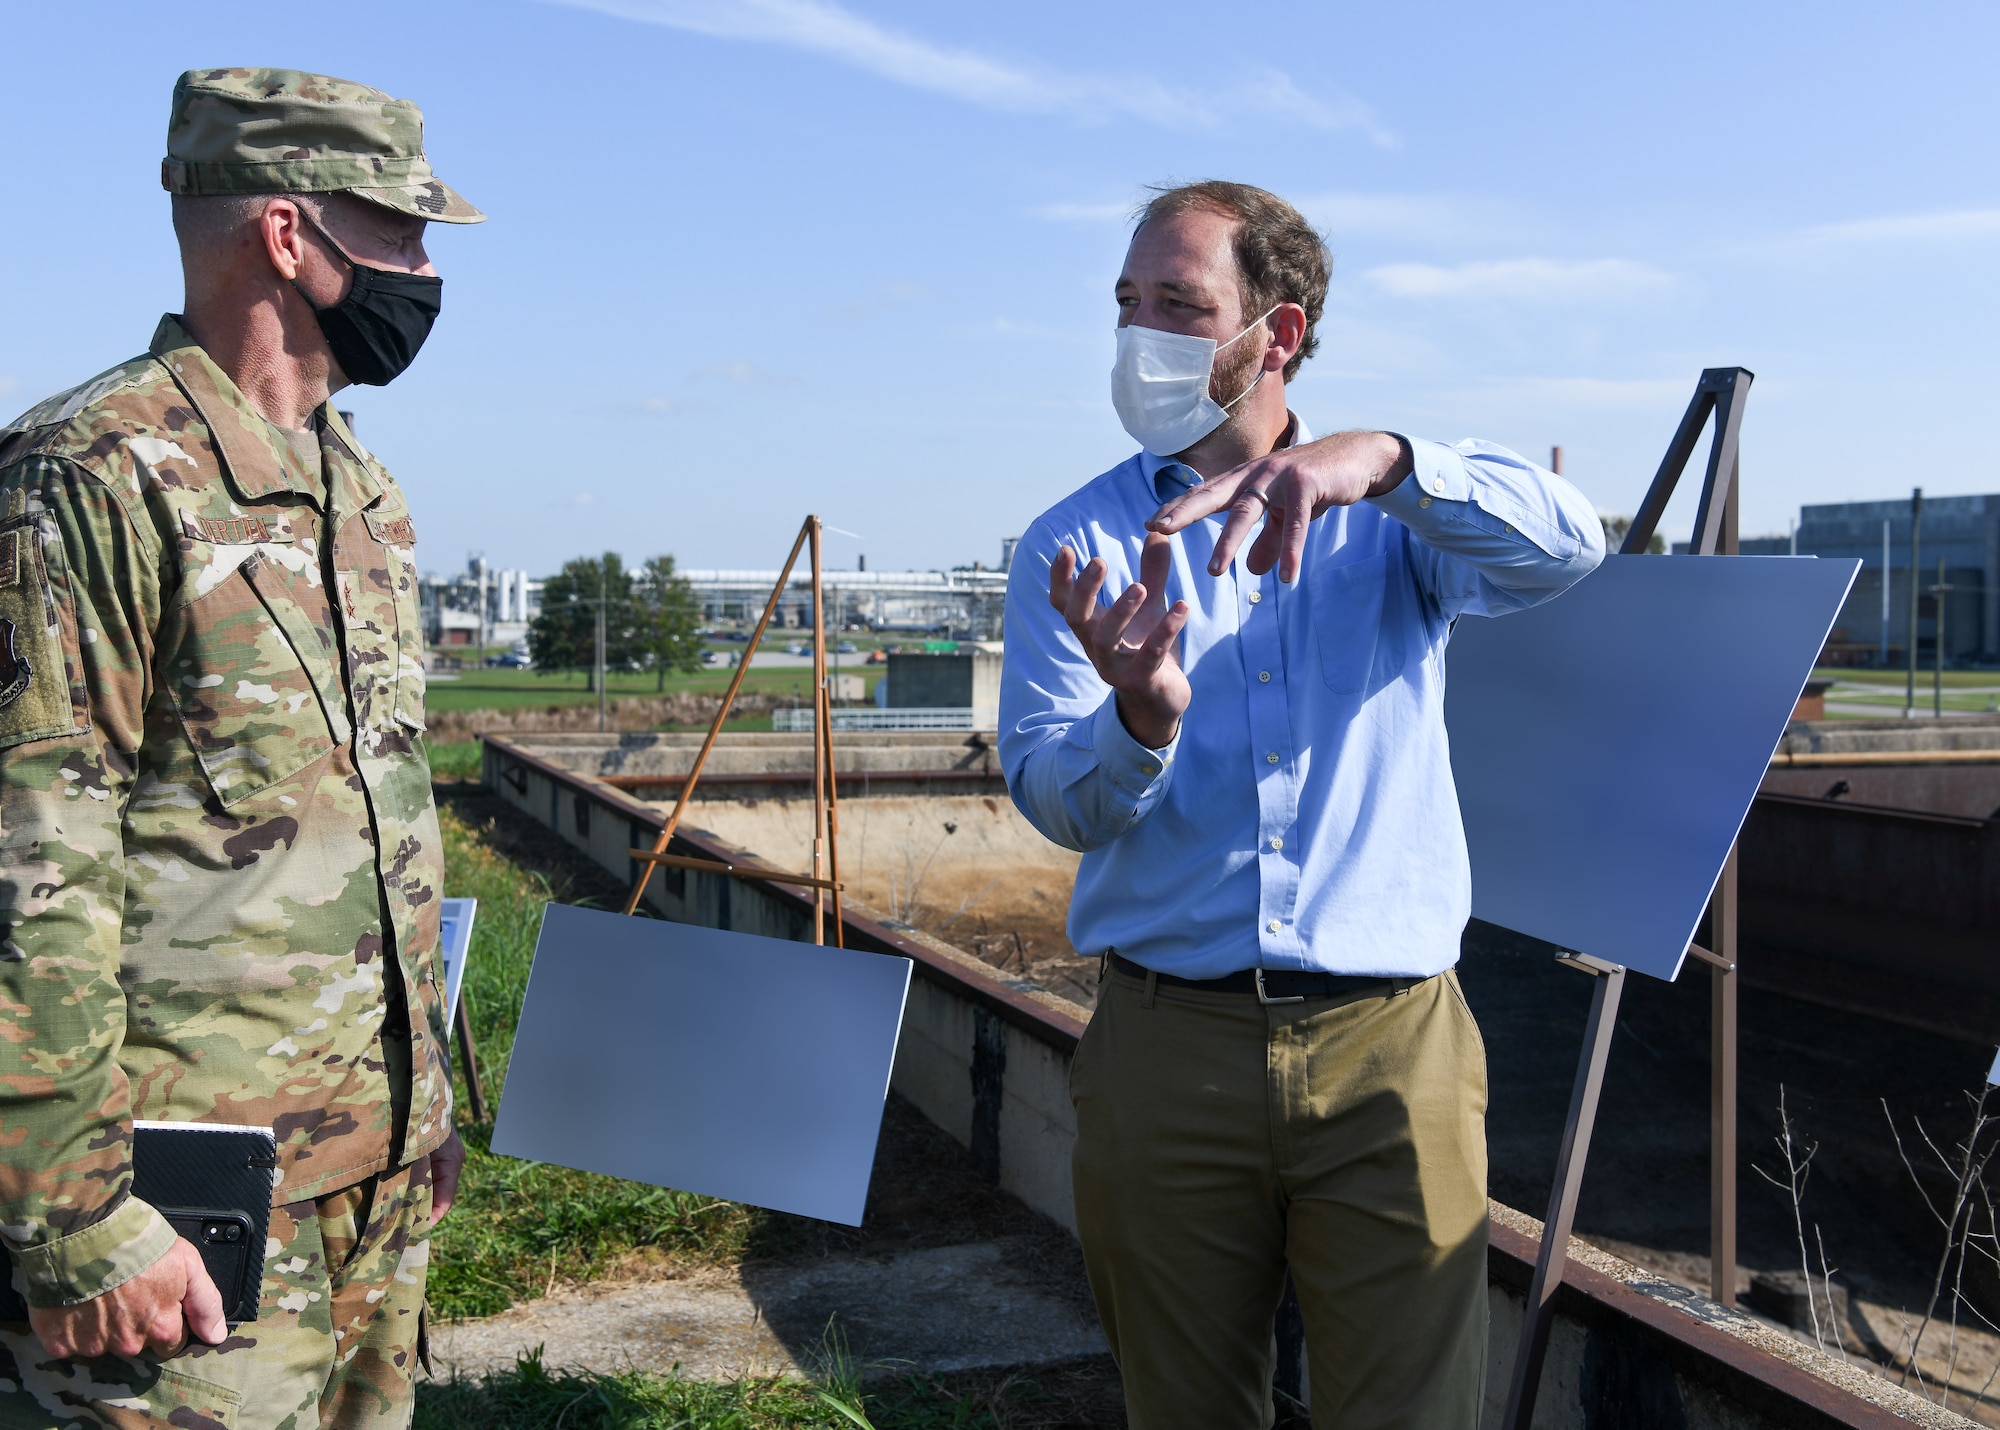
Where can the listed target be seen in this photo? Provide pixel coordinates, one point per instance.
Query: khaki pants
(334, 1343)
(1221, 1141)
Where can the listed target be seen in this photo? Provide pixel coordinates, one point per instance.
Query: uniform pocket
(247, 699)
(1346, 602)
(180, 1399)
(394, 533)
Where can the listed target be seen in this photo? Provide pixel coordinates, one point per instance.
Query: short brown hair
(1280, 258)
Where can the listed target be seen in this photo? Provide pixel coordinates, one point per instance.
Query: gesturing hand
(1131, 642)
(157, 1311)
(1294, 485)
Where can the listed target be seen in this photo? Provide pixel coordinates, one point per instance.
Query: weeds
(1967, 1221)
(1798, 1171)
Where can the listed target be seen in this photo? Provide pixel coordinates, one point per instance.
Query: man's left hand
(446, 1164)
(1291, 487)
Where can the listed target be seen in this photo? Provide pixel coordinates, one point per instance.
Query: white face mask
(1159, 386)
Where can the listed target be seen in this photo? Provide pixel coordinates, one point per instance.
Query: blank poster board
(748, 1068)
(455, 938)
(1607, 744)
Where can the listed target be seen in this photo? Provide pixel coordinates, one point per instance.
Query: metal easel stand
(468, 1058)
(825, 876)
(1722, 391)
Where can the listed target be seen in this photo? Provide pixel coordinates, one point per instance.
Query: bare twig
(1798, 1171)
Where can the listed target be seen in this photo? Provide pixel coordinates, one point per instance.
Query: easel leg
(1722, 1091)
(468, 1058)
(1537, 1315)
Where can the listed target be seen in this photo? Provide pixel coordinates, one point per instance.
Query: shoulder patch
(35, 699)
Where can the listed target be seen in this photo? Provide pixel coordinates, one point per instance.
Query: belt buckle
(1266, 999)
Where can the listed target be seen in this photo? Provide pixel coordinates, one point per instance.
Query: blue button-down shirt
(1304, 816)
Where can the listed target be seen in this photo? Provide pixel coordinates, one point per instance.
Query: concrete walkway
(938, 1309)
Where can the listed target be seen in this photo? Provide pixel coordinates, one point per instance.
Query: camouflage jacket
(219, 857)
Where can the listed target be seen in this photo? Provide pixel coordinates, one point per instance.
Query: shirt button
(1423, 501)
(1264, 676)
(1276, 842)
(1255, 597)
(1437, 484)
(1274, 925)
(1272, 758)
(1151, 769)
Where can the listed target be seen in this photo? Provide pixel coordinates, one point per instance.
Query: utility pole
(601, 703)
(1937, 643)
(1556, 460)
(1884, 662)
(1916, 578)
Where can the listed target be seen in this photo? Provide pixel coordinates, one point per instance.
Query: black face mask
(376, 329)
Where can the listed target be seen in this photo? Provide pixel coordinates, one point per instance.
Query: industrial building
(1963, 532)
(479, 606)
(965, 603)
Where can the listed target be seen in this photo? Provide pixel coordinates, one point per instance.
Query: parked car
(510, 660)
(846, 648)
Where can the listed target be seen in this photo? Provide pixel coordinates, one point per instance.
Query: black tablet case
(213, 1182)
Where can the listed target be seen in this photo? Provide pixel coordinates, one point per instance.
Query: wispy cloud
(663, 406)
(1525, 280)
(1959, 226)
(1091, 214)
(741, 374)
(824, 28)
(882, 298)
(1592, 393)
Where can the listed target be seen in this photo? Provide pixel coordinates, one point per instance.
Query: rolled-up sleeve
(1072, 767)
(1495, 533)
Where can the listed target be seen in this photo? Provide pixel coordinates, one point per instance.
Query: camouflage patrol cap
(258, 131)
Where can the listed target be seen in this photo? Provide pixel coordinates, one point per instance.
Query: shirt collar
(1168, 478)
(254, 453)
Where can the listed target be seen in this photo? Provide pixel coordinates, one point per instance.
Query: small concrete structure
(963, 679)
(986, 1057)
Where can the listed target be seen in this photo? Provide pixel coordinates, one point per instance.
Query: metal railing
(800, 721)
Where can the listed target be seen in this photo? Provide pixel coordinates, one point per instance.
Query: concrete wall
(987, 1058)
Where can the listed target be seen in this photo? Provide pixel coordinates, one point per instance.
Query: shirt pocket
(1345, 603)
(242, 678)
(394, 586)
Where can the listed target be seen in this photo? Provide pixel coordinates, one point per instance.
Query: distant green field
(507, 689)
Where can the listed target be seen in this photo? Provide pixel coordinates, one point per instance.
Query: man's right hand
(1132, 642)
(156, 1311)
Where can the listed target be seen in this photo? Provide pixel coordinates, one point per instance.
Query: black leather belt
(1272, 985)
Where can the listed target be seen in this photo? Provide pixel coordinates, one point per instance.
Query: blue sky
(750, 258)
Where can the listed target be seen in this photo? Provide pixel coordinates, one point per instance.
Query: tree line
(652, 620)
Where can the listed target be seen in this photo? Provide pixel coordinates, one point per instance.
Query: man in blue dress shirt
(1247, 744)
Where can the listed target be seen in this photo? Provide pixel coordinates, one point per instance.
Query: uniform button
(1272, 758)
(1255, 597)
(1276, 842)
(1423, 501)
(1274, 925)
(1152, 769)
(1264, 676)
(1510, 531)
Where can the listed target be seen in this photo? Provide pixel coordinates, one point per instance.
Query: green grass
(456, 761)
(520, 1227)
(533, 1397)
(505, 689)
(1854, 675)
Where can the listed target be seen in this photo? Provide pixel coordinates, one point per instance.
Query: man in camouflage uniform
(219, 858)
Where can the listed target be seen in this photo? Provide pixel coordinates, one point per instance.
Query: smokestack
(348, 418)
(1556, 460)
